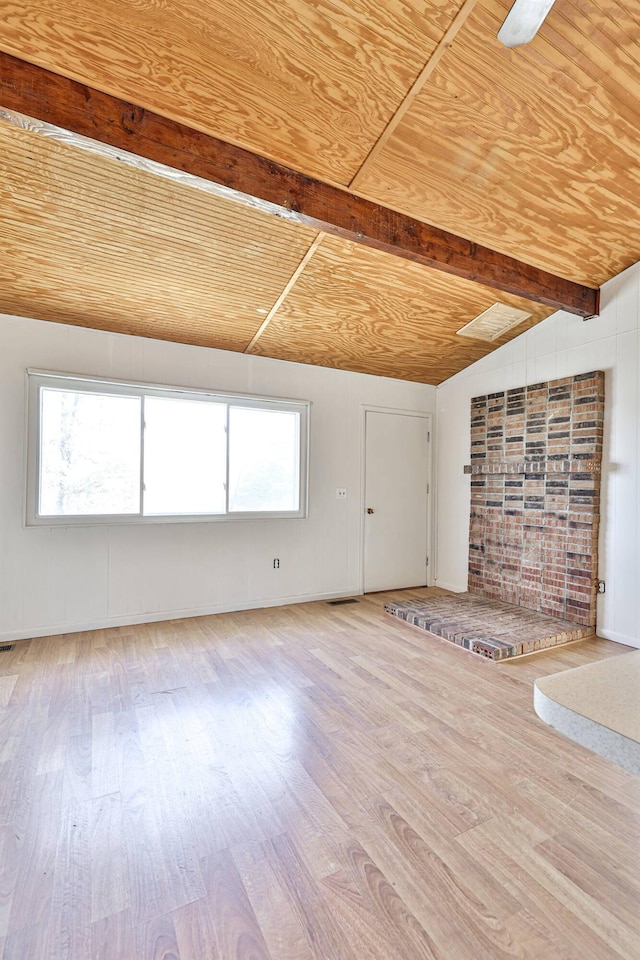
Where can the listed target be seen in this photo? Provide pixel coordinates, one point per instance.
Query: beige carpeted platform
(598, 705)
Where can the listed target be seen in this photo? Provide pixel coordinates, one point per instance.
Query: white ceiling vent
(493, 322)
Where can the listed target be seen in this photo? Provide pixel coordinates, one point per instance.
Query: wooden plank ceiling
(349, 296)
(532, 152)
(97, 243)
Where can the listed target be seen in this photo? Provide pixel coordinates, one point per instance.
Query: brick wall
(535, 495)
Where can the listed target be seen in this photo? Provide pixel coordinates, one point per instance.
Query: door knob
(370, 510)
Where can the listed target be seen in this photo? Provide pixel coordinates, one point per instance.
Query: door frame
(424, 415)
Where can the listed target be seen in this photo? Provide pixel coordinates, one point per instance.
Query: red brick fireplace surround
(535, 496)
(533, 538)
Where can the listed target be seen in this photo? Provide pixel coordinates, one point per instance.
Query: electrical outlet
(341, 493)
(276, 563)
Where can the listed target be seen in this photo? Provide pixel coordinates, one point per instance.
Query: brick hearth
(494, 629)
(536, 453)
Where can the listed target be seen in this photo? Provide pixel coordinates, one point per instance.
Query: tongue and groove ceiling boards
(97, 243)
(532, 153)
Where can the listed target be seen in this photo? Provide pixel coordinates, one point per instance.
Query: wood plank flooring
(303, 783)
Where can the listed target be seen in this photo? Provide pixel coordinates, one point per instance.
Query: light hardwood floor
(303, 783)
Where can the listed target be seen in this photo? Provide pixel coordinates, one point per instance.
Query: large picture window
(103, 451)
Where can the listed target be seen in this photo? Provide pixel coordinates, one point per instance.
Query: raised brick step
(490, 628)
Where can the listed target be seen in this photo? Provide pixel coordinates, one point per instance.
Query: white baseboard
(56, 629)
(454, 587)
(617, 637)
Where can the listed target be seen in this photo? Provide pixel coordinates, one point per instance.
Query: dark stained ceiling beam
(265, 185)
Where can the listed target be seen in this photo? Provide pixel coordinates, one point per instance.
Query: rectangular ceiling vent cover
(493, 322)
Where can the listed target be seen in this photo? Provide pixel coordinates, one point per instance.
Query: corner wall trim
(454, 587)
(606, 634)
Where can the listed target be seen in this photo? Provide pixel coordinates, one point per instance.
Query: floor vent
(6, 647)
(341, 603)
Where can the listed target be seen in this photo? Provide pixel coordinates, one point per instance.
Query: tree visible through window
(104, 450)
(89, 453)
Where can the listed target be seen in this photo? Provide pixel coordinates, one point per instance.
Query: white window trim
(36, 378)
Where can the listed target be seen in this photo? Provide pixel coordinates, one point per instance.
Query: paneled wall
(55, 580)
(535, 495)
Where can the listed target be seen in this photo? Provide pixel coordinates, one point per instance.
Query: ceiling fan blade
(523, 21)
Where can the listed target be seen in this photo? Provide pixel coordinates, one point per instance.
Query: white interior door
(396, 500)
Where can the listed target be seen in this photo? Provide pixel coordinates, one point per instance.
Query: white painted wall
(60, 579)
(561, 346)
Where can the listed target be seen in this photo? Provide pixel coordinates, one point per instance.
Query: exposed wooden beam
(247, 178)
